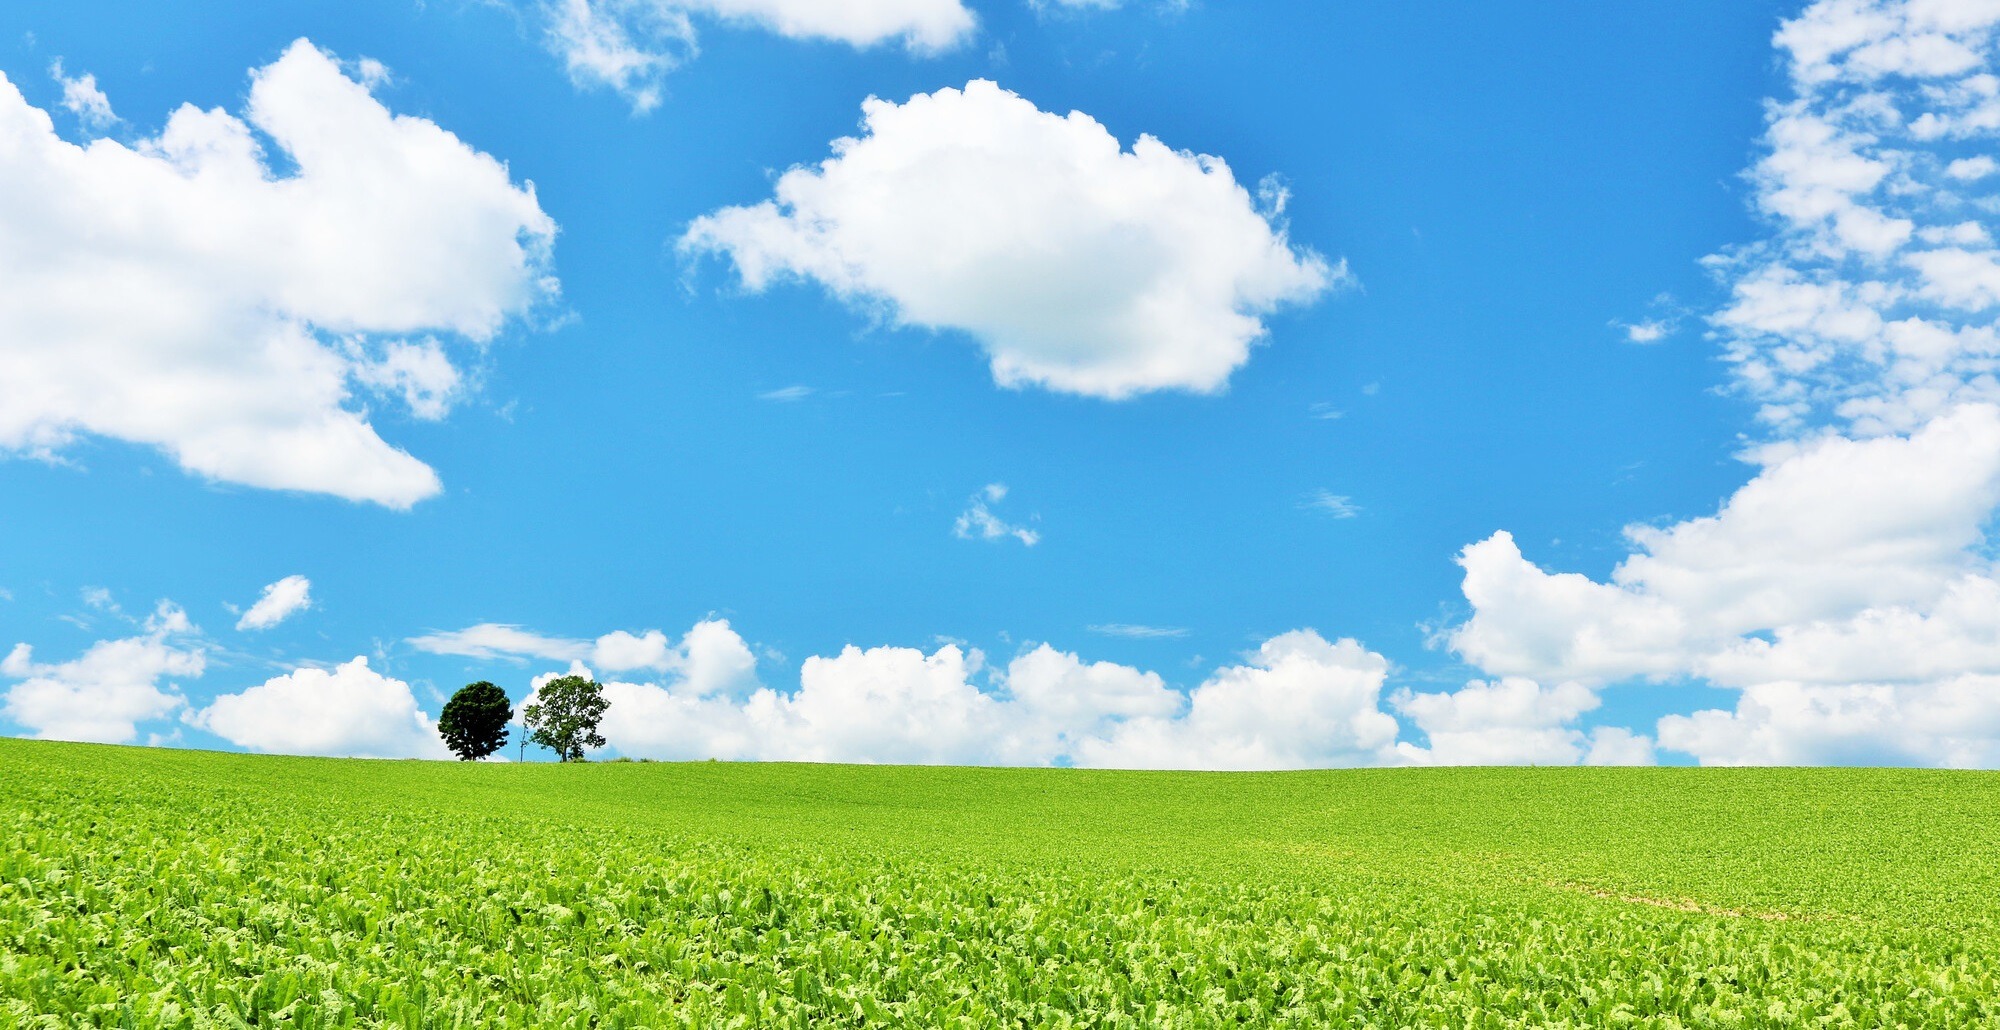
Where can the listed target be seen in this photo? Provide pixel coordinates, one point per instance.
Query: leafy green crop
(169, 888)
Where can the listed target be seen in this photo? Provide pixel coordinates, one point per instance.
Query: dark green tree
(564, 716)
(474, 723)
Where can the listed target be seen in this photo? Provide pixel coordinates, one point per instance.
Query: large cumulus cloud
(182, 293)
(1077, 265)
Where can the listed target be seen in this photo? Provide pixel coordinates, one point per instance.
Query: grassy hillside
(170, 888)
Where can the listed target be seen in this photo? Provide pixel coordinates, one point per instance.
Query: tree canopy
(564, 716)
(474, 722)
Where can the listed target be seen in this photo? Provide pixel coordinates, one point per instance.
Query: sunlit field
(170, 888)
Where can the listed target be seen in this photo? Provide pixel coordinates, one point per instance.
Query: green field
(144, 887)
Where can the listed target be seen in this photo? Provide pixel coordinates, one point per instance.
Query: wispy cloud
(977, 521)
(630, 46)
(1339, 506)
(83, 99)
(1138, 632)
(1664, 320)
(277, 603)
(490, 640)
(1649, 331)
(787, 394)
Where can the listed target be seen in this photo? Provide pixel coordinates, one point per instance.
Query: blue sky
(661, 442)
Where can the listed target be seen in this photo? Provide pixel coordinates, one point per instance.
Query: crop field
(147, 888)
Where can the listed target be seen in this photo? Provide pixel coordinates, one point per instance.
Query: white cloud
(1664, 322)
(710, 660)
(1848, 590)
(1977, 167)
(1830, 529)
(885, 704)
(1138, 632)
(626, 47)
(650, 721)
(1832, 525)
(1061, 706)
(179, 293)
(892, 704)
(881, 705)
(1863, 40)
(710, 657)
(82, 98)
(1651, 330)
(921, 25)
(1850, 313)
(1530, 623)
(490, 640)
(622, 650)
(786, 394)
(1616, 745)
(977, 521)
(421, 373)
(351, 712)
(1887, 643)
(1339, 506)
(629, 46)
(1078, 266)
(1952, 721)
(116, 684)
(1100, 5)
(1507, 722)
(1297, 702)
(278, 602)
